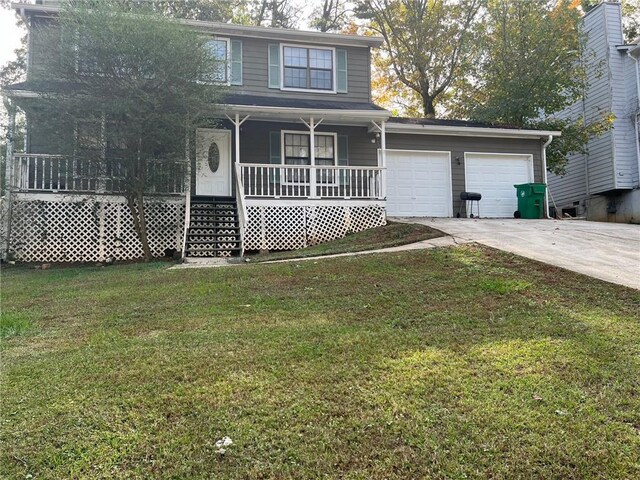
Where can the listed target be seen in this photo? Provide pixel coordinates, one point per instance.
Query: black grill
(470, 197)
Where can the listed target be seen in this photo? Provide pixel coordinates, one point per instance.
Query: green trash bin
(530, 200)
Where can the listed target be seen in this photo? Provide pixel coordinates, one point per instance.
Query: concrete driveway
(608, 251)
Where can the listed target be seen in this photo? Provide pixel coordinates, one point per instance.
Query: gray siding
(256, 76)
(39, 47)
(459, 145)
(631, 110)
(255, 80)
(254, 141)
(611, 162)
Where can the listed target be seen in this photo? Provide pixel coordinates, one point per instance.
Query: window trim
(303, 132)
(308, 90)
(227, 40)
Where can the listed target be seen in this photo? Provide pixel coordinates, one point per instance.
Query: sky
(10, 35)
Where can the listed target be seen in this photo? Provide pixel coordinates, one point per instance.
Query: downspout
(544, 175)
(5, 201)
(637, 116)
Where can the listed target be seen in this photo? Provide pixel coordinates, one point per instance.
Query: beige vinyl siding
(459, 145)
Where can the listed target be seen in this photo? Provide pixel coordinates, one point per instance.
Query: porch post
(383, 147)
(237, 125)
(9, 168)
(312, 153)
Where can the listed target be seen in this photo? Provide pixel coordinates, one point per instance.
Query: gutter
(282, 34)
(468, 131)
(637, 116)
(544, 175)
(331, 113)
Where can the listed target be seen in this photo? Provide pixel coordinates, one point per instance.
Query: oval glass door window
(214, 157)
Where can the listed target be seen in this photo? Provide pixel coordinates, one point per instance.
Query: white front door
(213, 162)
(419, 184)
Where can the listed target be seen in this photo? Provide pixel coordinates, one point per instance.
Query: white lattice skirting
(90, 228)
(299, 226)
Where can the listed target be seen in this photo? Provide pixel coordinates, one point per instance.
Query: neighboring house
(300, 155)
(604, 183)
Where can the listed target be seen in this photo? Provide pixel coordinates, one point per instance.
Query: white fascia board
(634, 51)
(308, 112)
(282, 34)
(291, 35)
(20, 94)
(468, 131)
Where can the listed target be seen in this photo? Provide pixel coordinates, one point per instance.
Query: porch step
(214, 230)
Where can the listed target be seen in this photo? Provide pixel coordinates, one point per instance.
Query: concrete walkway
(446, 241)
(608, 251)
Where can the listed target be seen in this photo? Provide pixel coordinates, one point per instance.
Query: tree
(129, 86)
(330, 15)
(268, 13)
(428, 42)
(209, 10)
(533, 69)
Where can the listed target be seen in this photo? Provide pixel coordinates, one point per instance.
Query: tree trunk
(135, 201)
(427, 106)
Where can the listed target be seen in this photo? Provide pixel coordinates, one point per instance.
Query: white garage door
(419, 184)
(494, 175)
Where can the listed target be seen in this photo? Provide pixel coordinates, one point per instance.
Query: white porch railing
(56, 173)
(306, 181)
(242, 207)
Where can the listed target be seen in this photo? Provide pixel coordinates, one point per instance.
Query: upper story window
(220, 50)
(307, 68)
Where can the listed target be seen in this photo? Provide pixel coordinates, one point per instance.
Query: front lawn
(390, 235)
(444, 363)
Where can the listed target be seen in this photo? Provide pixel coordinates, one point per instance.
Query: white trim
(308, 90)
(246, 30)
(67, 197)
(367, 115)
(544, 175)
(303, 132)
(448, 152)
(227, 133)
(412, 128)
(312, 163)
(21, 94)
(228, 42)
(266, 201)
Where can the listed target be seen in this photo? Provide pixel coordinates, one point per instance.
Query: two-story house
(604, 183)
(300, 155)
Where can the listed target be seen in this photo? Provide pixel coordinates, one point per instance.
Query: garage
(494, 175)
(419, 183)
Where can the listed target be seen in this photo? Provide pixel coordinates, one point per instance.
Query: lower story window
(297, 151)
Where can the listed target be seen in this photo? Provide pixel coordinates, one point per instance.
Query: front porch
(288, 184)
(302, 179)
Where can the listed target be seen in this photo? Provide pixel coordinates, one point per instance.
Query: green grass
(446, 363)
(391, 235)
(13, 323)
